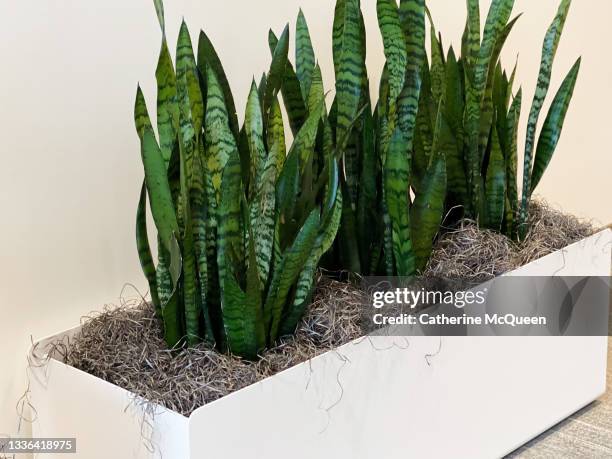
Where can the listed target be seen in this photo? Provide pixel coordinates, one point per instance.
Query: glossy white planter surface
(449, 397)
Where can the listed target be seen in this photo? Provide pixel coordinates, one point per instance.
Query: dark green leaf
(428, 210)
(304, 55)
(551, 129)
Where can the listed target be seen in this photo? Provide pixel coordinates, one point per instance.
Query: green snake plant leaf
(198, 215)
(382, 145)
(141, 114)
(305, 281)
(162, 206)
(454, 104)
(287, 190)
(174, 181)
(495, 32)
(245, 157)
(187, 80)
(190, 292)
(167, 106)
(509, 93)
(487, 107)
(305, 139)
(348, 239)
(437, 70)
(254, 131)
(236, 320)
(277, 69)
(447, 144)
(171, 311)
(159, 10)
(351, 70)
(551, 129)
(472, 36)
(338, 29)
(317, 92)
(287, 272)
(350, 165)
(512, 160)
(498, 16)
(242, 311)
(230, 240)
(143, 122)
(501, 41)
(263, 212)
(549, 49)
(428, 209)
(162, 274)
(290, 89)
(304, 55)
(242, 315)
(397, 189)
(500, 106)
(366, 213)
(261, 87)
(395, 46)
(412, 19)
(276, 135)
(254, 298)
(220, 142)
(495, 185)
(144, 249)
(382, 108)
(208, 57)
(292, 97)
(424, 132)
(220, 145)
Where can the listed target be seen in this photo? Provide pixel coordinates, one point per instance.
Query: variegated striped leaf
(277, 70)
(551, 129)
(495, 185)
(395, 46)
(291, 91)
(158, 189)
(351, 70)
(305, 281)
(144, 249)
(276, 135)
(287, 272)
(253, 124)
(263, 212)
(190, 294)
(159, 10)
(317, 92)
(167, 104)
(207, 57)
(220, 143)
(428, 209)
(397, 189)
(188, 85)
(304, 55)
(549, 49)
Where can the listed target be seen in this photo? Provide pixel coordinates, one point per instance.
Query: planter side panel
(105, 419)
(420, 397)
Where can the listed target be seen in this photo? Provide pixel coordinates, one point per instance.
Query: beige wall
(70, 171)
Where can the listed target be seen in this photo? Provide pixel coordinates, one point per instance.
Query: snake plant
(382, 230)
(241, 223)
(471, 99)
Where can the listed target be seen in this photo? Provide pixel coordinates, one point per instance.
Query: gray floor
(585, 434)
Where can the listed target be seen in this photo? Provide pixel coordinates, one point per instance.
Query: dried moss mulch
(124, 345)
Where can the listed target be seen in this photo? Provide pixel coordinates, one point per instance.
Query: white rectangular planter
(450, 397)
